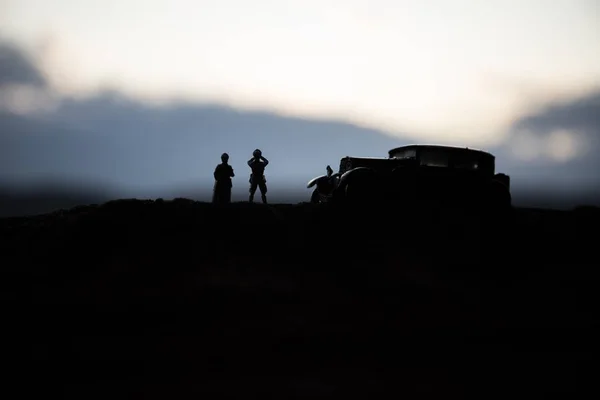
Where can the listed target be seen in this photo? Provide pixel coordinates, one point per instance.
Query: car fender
(314, 181)
(352, 176)
(354, 173)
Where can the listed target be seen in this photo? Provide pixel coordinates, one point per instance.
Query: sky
(463, 72)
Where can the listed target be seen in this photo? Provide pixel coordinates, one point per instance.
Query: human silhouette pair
(223, 175)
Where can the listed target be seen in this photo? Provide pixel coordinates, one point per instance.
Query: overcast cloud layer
(442, 70)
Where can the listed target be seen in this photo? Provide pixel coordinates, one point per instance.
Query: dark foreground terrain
(182, 300)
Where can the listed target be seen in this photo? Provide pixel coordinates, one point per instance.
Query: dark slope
(144, 299)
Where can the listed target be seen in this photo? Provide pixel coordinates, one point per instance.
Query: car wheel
(315, 198)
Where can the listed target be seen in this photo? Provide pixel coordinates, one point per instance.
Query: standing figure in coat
(223, 174)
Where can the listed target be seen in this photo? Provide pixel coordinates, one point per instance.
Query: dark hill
(179, 299)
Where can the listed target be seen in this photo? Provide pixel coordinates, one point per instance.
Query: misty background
(73, 132)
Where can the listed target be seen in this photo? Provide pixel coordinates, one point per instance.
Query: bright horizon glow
(451, 71)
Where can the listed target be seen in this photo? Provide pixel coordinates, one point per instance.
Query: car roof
(438, 146)
(366, 158)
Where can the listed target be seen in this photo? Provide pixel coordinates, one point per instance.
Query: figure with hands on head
(257, 164)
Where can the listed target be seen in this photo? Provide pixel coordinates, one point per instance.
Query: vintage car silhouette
(420, 173)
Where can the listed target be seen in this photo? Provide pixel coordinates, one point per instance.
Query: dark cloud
(578, 176)
(17, 67)
(580, 114)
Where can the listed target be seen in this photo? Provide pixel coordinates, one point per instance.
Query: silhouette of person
(223, 174)
(257, 178)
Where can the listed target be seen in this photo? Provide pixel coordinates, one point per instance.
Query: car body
(419, 172)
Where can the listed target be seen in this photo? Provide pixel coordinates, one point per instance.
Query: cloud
(23, 86)
(558, 146)
(554, 149)
(580, 114)
(17, 68)
(562, 131)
